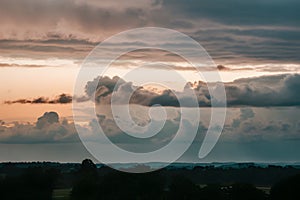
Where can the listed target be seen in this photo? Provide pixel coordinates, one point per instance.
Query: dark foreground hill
(228, 181)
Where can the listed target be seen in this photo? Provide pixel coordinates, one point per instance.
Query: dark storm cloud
(279, 90)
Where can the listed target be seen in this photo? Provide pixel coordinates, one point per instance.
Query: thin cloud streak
(60, 99)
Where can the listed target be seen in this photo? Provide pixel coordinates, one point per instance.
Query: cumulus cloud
(47, 129)
(130, 143)
(257, 125)
(104, 87)
(279, 90)
(47, 119)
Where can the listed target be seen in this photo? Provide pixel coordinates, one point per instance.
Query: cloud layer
(249, 134)
(264, 91)
(235, 32)
(279, 90)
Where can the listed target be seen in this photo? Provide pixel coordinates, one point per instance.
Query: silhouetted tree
(85, 187)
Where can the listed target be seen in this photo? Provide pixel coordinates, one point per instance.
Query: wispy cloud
(18, 65)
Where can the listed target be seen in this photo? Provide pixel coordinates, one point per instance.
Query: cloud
(60, 99)
(235, 32)
(222, 67)
(77, 17)
(127, 142)
(263, 124)
(245, 114)
(47, 129)
(17, 65)
(45, 48)
(238, 12)
(264, 91)
(104, 86)
(279, 90)
(47, 119)
(263, 134)
(68, 18)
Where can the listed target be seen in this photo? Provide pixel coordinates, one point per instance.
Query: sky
(252, 45)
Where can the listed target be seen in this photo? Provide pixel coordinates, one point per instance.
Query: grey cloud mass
(272, 128)
(278, 90)
(257, 12)
(47, 129)
(264, 91)
(233, 32)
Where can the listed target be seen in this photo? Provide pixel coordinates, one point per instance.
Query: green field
(61, 194)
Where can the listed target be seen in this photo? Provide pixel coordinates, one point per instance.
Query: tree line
(38, 183)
